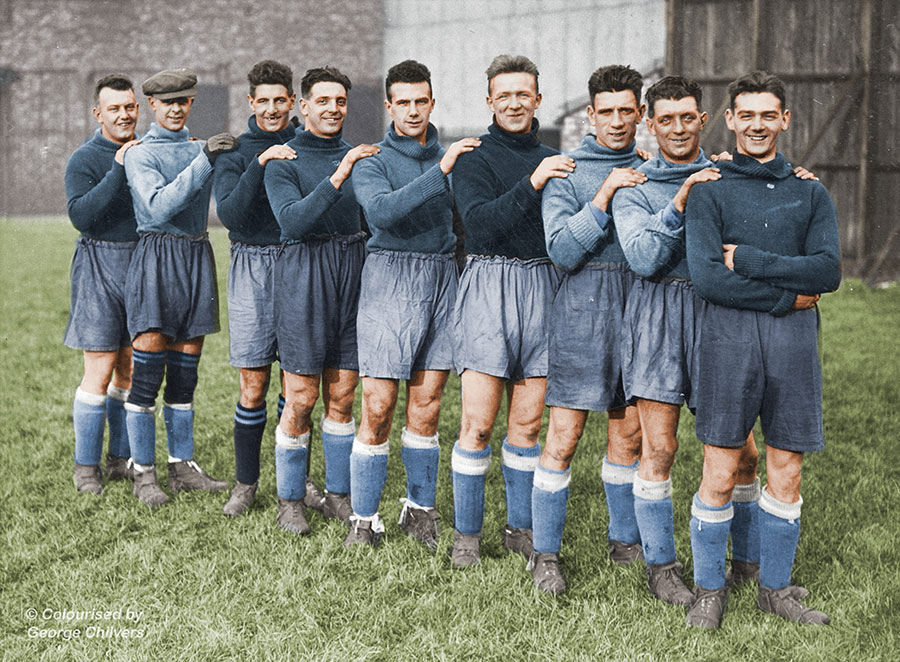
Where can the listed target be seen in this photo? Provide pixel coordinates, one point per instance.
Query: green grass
(212, 588)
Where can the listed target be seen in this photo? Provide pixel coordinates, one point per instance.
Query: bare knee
(254, 384)
(423, 412)
(624, 436)
(657, 457)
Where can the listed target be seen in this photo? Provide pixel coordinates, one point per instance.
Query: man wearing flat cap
(171, 293)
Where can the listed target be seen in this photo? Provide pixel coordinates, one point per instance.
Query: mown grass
(212, 588)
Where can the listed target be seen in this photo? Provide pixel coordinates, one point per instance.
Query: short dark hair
(673, 87)
(757, 81)
(270, 72)
(511, 64)
(408, 71)
(615, 78)
(322, 75)
(118, 82)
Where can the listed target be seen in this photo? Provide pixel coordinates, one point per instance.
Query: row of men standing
(307, 287)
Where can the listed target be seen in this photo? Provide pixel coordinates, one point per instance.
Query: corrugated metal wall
(840, 60)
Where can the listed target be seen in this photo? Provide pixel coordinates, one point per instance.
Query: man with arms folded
(761, 246)
(99, 205)
(502, 308)
(172, 300)
(586, 327)
(243, 207)
(317, 293)
(408, 291)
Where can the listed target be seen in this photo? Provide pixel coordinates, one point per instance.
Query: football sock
(88, 418)
(709, 542)
(140, 407)
(518, 465)
(745, 525)
(368, 473)
(468, 469)
(779, 526)
(655, 517)
(141, 424)
(115, 418)
(337, 444)
(249, 427)
(549, 497)
(290, 464)
(179, 420)
(618, 483)
(420, 458)
(281, 402)
(181, 377)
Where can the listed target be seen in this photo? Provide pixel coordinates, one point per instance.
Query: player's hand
(805, 301)
(729, 250)
(558, 165)
(705, 175)
(721, 156)
(276, 152)
(345, 167)
(120, 153)
(618, 178)
(803, 173)
(448, 160)
(219, 144)
(643, 154)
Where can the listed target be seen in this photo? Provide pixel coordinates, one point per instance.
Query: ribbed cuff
(601, 218)
(672, 218)
(749, 261)
(585, 229)
(784, 305)
(433, 182)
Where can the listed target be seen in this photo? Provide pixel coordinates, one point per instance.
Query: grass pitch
(105, 578)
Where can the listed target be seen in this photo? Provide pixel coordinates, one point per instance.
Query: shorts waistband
(606, 266)
(666, 280)
(106, 243)
(203, 236)
(257, 249)
(397, 255)
(513, 261)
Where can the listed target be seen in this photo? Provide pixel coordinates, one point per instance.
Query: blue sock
(655, 517)
(115, 419)
(618, 483)
(290, 464)
(249, 427)
(745, 525)
(518, 465)
(468, 469)
(281, 402)
(368, 472)
(709, 542)
(181, 377)
(779, 526)
(147, 377)
(88, 418)
(179, 420)
(549, 497)
(141, 424)
(337, 444)
(420, 458)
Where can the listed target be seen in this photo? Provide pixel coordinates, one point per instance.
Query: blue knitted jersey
(405, 195)
(302, 197)
(241, 201)
(651, 230)
(170, 180)
(785, 229)
(99, 200)
(499, 207)
(574, 236)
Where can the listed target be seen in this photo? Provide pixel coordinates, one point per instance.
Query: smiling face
(325, 109)
(171, 114)
(676, 124)
(615, 117)
(117, 112)
(513, 100)
(410, 107)
(272, 105)
(756, 120)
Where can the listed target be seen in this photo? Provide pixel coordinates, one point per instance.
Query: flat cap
(171, 84)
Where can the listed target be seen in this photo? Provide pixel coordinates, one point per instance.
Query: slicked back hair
(270, 72)
(511, 64)
(118, 82)
(615, 78)
(757, 81)
(408, 71)
(322, 75)
(673, 87)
